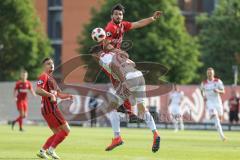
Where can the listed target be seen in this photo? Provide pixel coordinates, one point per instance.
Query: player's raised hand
(157, 14)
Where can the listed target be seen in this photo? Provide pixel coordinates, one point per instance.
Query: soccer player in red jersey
(115, 30)
(20, 93)
(48, 89)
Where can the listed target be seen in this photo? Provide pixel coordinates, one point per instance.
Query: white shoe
(42, 154)
(224, 139)
(175, 130)
(52, 154)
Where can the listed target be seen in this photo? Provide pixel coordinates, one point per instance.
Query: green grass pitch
(89, 144)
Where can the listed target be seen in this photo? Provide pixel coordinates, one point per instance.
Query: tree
(166, 41)
(219, 38)
(23, 43)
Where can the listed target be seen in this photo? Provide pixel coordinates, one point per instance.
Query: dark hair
(46, 59)
(95, 49)
(23, 70)
(118, 7)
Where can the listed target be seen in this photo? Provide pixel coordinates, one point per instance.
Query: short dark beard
(116, 22)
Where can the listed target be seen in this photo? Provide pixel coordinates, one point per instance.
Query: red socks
(49, 142)
(19, 120)
(59, 137)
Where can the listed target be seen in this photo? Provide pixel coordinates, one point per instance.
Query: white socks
(115, 122)
(175, 124)
(149, 120)
(219, 127)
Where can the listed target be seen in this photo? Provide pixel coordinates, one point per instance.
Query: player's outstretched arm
(220, 91)
(64, 95)
(42, 92)
(146, 21)
(33, 92)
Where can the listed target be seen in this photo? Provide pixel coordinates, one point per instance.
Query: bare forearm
(107, 45)
(63, 95)
(33, 92)
(220, 91)
(42, 92)
(143, 22)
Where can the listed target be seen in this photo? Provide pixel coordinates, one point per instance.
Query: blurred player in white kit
(211, 89)
(175, 99)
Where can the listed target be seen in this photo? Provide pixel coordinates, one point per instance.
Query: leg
(175, 123)
(181, 122)
(147, 117)
(115, 122)
(218, 126)
(144, 114)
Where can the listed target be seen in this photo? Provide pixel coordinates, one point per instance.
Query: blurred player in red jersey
(20, 93)
(115, 30)
(48, 89)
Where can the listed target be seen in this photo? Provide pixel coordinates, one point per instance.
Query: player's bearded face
(117, 16)
(49, 66)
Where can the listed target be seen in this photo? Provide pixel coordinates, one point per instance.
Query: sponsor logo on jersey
(39, 82)
(109, 34)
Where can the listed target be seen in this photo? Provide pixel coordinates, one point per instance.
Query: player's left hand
(216, 90)
(157, 14)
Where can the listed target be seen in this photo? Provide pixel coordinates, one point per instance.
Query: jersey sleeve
(220, 84)
(127, 25)
(201, 87)
(182, 94)
(42, 81)
(109, 29)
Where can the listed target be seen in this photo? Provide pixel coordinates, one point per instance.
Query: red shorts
(54, 119)
(22, 106)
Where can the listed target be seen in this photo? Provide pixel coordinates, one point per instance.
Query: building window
(55, 25)
(55, 28)
(55, 2)
(57, 54)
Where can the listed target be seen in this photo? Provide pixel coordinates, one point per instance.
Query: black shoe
(21, 130)
(121, 109)
(13, 124)
(156, 144)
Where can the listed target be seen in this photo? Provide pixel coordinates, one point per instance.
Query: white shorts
(136, 83)
(175, 109)
(215, 108)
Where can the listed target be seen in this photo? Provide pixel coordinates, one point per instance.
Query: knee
(67, 130)
(142, 109)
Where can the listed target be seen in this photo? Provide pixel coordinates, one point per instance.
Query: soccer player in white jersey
(175, 99)
(131, 83)
(211, 89)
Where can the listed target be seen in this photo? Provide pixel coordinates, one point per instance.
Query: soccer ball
(98, 34)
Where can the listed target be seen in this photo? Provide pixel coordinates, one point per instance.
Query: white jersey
(176, 97)
(208, 88)
(105, 61)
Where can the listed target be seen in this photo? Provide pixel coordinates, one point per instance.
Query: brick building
(63, 20)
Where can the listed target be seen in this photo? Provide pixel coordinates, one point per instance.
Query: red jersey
(234, 103)
(49, 84)
(22, 88)
(115, 32)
